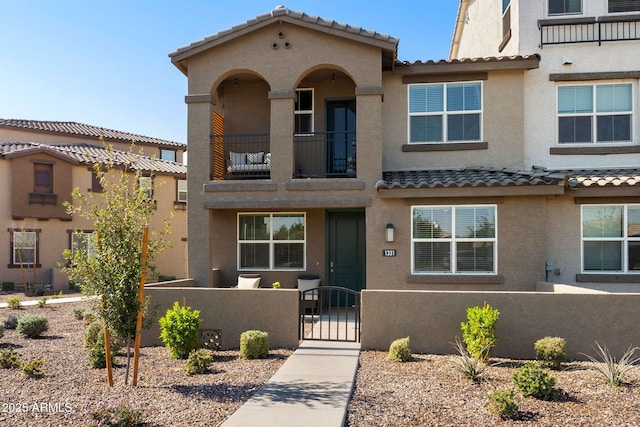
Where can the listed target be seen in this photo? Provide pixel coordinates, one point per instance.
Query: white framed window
(146, 185)
(85, 242)
(304, 111)
(610, 238)
(564, 7)
(445, 112)
(506, 18)
(454, 239)
(595, 113)
(271, 241)
(182, 190)
(622, 6)
(169, 155)
(24, 247)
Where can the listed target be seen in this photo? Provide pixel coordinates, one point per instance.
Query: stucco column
(369, 138)
(282, 104)
(199, 111)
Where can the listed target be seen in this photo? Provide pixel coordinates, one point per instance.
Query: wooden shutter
(218, 147)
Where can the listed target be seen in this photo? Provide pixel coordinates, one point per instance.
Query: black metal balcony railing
(43, 199)
(589, 31)
(325, 155)
(237, 156)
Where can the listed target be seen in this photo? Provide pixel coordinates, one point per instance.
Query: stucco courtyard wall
(432, 320)
(234, 311)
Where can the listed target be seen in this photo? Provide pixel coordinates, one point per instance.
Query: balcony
(589, 30)
(240, 156)
(325, 155)
(43, 199)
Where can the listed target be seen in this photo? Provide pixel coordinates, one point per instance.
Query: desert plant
(42, 302)
(478, 332)
(180, 330)
(33, 368)
(551, 350)
(110, 414)
(98, 355)
(254, 344)
(199, 362)
(614, 371)
(14, 303)
(57, 296)
(502, 403)
(469, 366)
(400, 350)
(534, 380)
(11, 322)
(8, 286)
(92, 333)
(88, 317)
(78, 313)
(9, 359)
(32, 325)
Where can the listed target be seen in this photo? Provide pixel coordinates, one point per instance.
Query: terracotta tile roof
(471, 177)
(478, 60)
(81, 129)
(90, 154)
(603, 177)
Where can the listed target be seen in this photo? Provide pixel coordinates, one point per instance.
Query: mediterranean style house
(315, 150)
(41, 162)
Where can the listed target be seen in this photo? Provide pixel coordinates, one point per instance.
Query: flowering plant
(275, 285)
(113, 414)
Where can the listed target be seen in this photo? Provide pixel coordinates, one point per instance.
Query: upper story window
(24, 247)
(454, 239)
(595, 113)
(445, 112)
(621, 6)
(506, 18)
(611, 238)
(271, 241)
(565, 7)
(43, 178)
(96, 184)
(182, 190)
(146, 185)
(304, 111)
(169, 155)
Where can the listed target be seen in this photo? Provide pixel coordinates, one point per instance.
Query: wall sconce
(388, 233)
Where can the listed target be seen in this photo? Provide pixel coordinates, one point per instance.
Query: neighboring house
(314, 150)
(36, 177)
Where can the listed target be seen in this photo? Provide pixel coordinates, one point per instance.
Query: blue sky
(106, 63)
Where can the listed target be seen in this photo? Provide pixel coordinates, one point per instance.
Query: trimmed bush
(11, 322)
(254, 344)
(9, 359)
(180, 330)
(92, 333)
(33, 368)
(400, 350)
(199, 362)
(533, 380)
(502, 403)
(551, 350)
(14, 303)
(478, 332)
(32, 325)
(98, 355)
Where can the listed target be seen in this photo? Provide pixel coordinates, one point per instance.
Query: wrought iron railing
(589, 31)
(325, 155)
(246, 156)
(43, 199)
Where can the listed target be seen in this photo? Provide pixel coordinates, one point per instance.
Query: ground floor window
(24, 248)
(84, 242)
(454, 239)
(271, 241)
(611, 238)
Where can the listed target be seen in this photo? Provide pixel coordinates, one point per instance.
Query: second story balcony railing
(589, 30)
(240, 156)
(325, 155)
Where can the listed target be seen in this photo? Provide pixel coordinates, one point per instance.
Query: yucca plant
(614, 371)
(468, 365)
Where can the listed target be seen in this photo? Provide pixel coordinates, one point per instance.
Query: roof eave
(528, 62)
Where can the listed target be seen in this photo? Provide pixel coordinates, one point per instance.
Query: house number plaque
(388, 252)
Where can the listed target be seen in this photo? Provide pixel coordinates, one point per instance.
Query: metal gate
(329, 313)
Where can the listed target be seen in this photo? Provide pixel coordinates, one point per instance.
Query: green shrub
(111, 414)
(254, 344)
(11, 322)
(400, 350)
(502, 403)
(533, 380)
(8, 286)
(94, 333)
(9, 359)
(98, 355)
(478, 332)
(14, 303)
(199, 362)
(180, 330)
(614, 371)
(42, 302)
(466, 364)
(551, 350)
(78, 313)
(57, 296)
(88, 317)
(33, 368)
(32, 325)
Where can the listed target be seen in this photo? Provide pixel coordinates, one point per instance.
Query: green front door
(346, 249)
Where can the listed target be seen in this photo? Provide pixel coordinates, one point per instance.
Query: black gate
(329, 313)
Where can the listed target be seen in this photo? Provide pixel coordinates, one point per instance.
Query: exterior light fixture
(388, 233)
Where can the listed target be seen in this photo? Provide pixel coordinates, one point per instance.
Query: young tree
(111, 265)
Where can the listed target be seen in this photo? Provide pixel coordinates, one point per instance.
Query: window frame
(636, 10)
(167, 150)
(453, 241)
(310, 113)
(47, 169)
(625, 239)
(148, 191)
(271, 242)
(594, 114)
(178, 191)
(14, 262)
(445, 112)
(86, 234)
(549, 13)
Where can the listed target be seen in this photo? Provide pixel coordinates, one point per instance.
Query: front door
(341, 137)
(346, 249)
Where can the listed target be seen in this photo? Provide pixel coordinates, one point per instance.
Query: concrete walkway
(312, 388)
(50, 300)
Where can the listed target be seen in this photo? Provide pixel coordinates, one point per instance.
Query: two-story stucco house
(314, 149)
(41, 162)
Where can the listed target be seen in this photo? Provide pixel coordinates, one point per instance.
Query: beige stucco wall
(432, 320)
(233, 311)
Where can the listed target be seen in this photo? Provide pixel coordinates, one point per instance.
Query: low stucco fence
(233, 311)
(432, 320)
